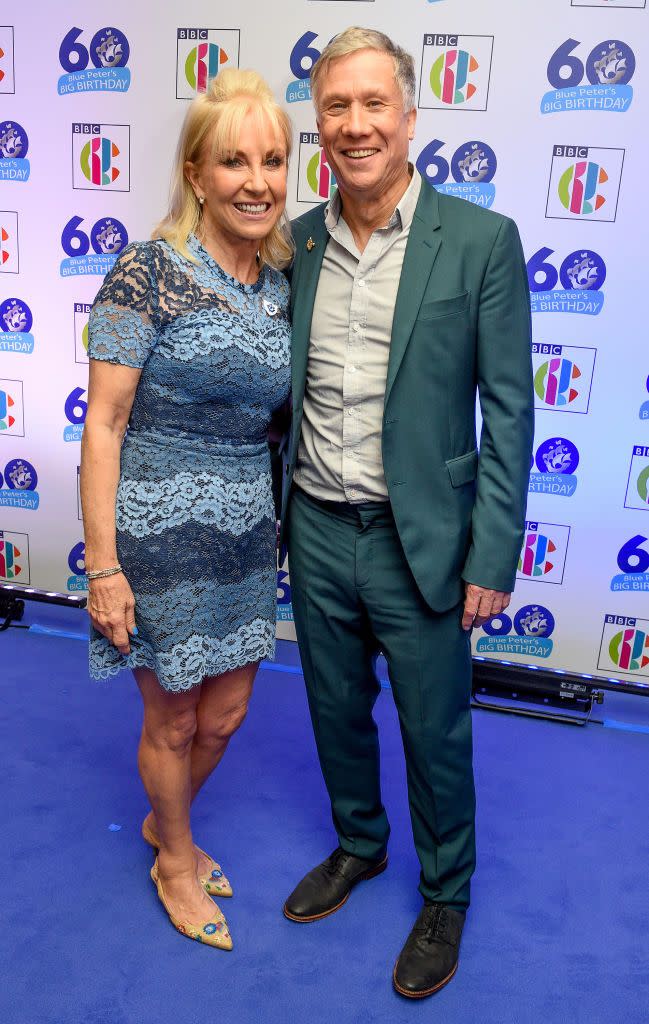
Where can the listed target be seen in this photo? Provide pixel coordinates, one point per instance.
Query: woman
(189, 346)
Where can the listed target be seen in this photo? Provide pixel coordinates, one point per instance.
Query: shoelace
(334, 862)
(435, 925)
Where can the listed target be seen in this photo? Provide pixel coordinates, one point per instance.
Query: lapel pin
(271, 308)
(310, 244)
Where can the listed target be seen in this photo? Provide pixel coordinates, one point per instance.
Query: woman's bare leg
(220, 710)
(164, 760)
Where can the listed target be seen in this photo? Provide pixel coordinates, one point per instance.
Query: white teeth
(251, 208)
(355, 153)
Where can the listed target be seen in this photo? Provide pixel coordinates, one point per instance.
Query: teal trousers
(354, 595)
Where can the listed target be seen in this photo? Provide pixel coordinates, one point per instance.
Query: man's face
(363, 126)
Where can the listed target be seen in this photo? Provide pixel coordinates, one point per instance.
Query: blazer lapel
(422, 247)
(304, 284)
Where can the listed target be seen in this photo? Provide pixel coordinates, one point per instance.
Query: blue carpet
(557, 931)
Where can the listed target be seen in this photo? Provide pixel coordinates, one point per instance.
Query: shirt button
(355, 327)
(350, 411)
(352, 369)
(361, 284)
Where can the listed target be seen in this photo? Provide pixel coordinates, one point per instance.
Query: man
(400, 539)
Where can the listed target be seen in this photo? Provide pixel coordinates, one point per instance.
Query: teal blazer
(461, 327)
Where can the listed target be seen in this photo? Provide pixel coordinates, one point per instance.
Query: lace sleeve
(123, 322)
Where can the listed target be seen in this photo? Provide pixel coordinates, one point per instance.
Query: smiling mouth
(252, 209)
(359, 154)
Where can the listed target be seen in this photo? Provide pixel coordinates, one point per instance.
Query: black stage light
(13, 597)
(572, 694)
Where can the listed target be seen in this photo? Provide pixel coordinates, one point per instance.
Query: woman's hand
(111, 607)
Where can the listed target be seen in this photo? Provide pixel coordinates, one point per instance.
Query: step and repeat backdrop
(538, 111)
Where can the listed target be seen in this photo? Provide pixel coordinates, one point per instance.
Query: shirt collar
(402, 216)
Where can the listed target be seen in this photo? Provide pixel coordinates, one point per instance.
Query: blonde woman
(189, 348)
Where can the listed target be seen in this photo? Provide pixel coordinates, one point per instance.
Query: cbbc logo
(473, 166)
(633, 563)
(101, 156)
(14, 144)
(14, 557)
(556, 461)
(9, 249)
(108, 52)
(609, 68)
(81, 313)
(624, 645)
(15, 327)
(315, 179)
(18, 487)
(108, 238)
(7, 79)
(77, 566)
(528, 634)
(12, 420)
(455, 72)
(584, 182)
(563, 376)
(637, 488)
(544, 552)
(582, 274)
(75, 412)
(200, 54)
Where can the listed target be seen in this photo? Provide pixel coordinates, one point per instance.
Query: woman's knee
(175, 732)
(219, 726)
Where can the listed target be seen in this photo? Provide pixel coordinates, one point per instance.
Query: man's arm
(505, 388)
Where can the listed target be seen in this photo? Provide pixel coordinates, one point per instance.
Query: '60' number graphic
(108, 237)
(608, 63)
(75, 406)
(77, 559)
(632, 556)
(109, 48)
(303, 55)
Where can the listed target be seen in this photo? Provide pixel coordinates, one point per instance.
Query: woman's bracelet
(100, 573)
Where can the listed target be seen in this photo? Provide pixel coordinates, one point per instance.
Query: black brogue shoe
(429, 958)
(327, 887)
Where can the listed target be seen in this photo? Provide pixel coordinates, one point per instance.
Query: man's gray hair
(355, 38)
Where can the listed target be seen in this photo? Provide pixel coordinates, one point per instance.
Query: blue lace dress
(194, 512)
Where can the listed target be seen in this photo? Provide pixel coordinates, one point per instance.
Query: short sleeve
(122, 326)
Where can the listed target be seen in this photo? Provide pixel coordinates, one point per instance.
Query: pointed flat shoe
(214, 932)
(213, 881)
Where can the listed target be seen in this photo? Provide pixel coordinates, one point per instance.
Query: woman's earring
(201, 199)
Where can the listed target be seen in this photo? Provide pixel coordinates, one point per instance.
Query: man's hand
(481, 604)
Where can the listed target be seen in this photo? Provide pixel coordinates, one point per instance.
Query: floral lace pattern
(194, 510)
(154, 506)
(191, 661)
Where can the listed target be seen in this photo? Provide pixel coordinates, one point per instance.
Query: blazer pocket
(464, 469)
(444, 307)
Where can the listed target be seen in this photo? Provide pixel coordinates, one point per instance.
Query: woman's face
(245, 194)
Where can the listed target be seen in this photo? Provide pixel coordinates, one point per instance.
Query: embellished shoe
(213, 933)
(213, 881)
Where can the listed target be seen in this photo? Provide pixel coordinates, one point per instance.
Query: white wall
(513, 113)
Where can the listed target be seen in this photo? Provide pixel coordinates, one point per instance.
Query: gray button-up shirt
(339, 457)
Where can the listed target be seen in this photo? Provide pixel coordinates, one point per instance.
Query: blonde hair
(354, 39)
(218, 114)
